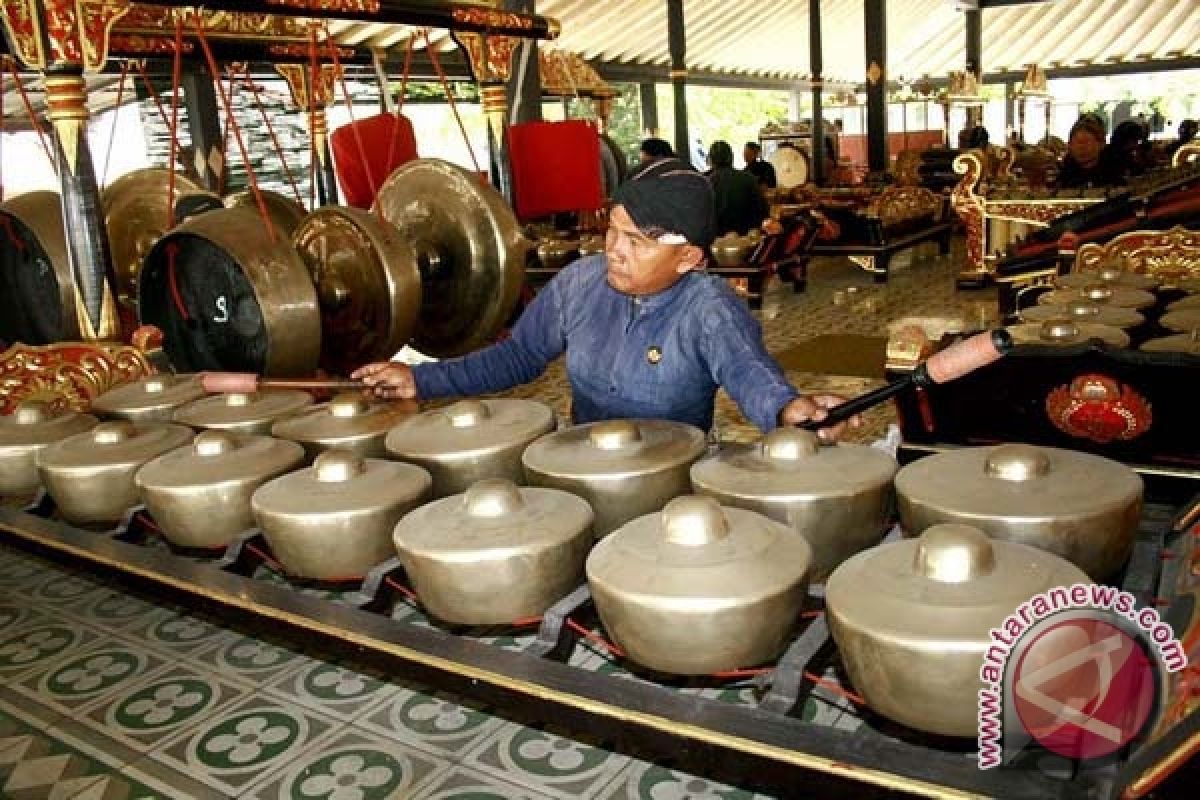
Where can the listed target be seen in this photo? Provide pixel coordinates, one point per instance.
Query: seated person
(1187, 135)
(654, 149)
(1082, 166)
(646, 332)
(739, 202)
(762, 171)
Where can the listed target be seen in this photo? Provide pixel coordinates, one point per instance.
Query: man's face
(1085, 147)
(749, 154)
(639, 264)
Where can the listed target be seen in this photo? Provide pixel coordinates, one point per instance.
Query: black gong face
(198, 295)
(30, 305)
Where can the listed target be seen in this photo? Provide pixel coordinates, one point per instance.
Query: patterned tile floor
(105, 695)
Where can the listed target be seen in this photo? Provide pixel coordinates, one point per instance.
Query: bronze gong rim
(470, 253)
(285, 213)
(41, 213)
(367, 282)
(136, 214)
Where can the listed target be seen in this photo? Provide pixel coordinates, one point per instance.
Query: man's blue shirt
(660, 356)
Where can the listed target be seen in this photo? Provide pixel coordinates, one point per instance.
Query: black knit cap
(667, 198)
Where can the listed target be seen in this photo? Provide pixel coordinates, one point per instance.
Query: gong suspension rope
(335, 59)
(408, 51)
(437, 65)
(33, 117)
(249, 81)
(173, 150)
(153, 95)
(314, 85)
(237, 132)
(112, 136)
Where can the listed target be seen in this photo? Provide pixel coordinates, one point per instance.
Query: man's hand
(388, 380)
(815, 407)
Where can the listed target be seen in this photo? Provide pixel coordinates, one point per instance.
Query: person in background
(646, 332)
(1126, 153)
(1187, 135)
(654, 149)
(762, 171)
(739, 202)
(1082, 167)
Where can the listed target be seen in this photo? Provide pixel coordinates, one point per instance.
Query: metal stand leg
(42, 504)
(240, 557)
(788, 675)
(374, 593)
(553, 639)
(125, 530)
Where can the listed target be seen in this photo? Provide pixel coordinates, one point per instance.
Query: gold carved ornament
(69, 375)
(969, 207)
(1170, 256)
(490, 57)
(61, 31)
(899, 204)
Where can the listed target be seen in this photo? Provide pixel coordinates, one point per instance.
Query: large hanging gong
(613, 167)
(228, 297)
(136, 214)
(285, 213)
(368, 285)
(470, 253)
(37, 290)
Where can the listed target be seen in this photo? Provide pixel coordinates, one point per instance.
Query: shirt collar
(652, 302)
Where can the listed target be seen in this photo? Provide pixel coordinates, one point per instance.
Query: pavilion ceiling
(769, 38)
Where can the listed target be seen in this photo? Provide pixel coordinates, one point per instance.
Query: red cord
(249, 81)
(173, 147)
(595, 637)
(833, 687)
(437, 65)
(172, 284)
(267, 559)
(162, 112)
(13, 238)
(33, 117)
(401, 588)
(400, 101)
(358, 141)
(237, 133)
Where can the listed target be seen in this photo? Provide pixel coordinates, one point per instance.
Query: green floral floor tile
(545, 762)
(81, 677)
(113, 609)
(179, 634)
(642, 781)
(352, 765)
(461, 783)
(243, 743)
(434, 722)
(338, 691)
(145, 713)
(35, 763)
(36, 646)
(254, 660)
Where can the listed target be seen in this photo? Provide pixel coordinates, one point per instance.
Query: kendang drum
(1081, 507)
(624, 468)
(33, 427)
(199, 494)
(470, 441)
(495, 554)
(699, 588)
(91, 475)
(911, 619)
(255, 412)
(151, 399)
(348, 422)
(333, 521)
(838, 497)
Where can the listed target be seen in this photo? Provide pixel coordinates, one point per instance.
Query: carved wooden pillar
(648, 93)
(314, 100)
(677, 39)
(204, 125)
(491, 58)
(64, 39)
(525, 90)
(875, 17)
(816, 66)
